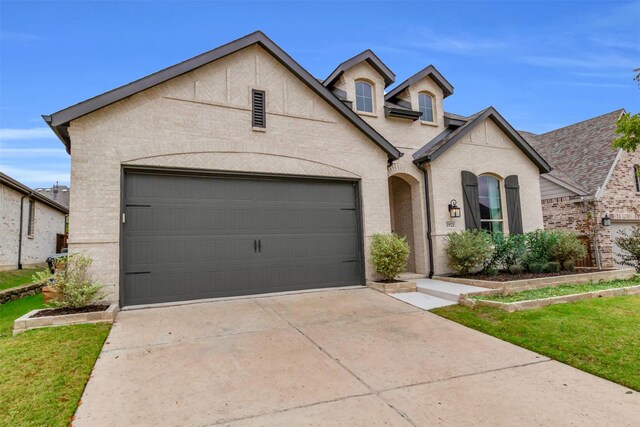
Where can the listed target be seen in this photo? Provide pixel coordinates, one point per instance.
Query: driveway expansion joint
(372, 391)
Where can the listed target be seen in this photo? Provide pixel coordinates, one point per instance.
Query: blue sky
(542, 64)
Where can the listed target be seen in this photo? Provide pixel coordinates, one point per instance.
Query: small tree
(469, 250)
(628, 127)
(389, 254)
(72, 281)
(568, 248)
(630, 244)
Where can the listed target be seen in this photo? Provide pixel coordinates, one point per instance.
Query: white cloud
(19, 36)
(9, 134)
(32, 152)
(589, 62)
(34, 177)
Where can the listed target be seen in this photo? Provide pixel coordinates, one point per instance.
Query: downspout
(428, 211)
(20, 235)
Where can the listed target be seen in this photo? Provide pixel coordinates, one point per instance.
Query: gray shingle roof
(581, 152)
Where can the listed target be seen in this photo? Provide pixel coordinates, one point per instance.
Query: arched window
(364, 97)
(425, 105)
(636, 177)
(490, 203)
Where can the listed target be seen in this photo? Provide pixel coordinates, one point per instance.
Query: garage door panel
(191, 237)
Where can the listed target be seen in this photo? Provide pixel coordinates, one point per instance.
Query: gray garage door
(191, 237)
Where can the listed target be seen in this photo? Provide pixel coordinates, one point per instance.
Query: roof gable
(371, 59)
(431, 72)
(23, 189)
(445, 140)
(60, 120)
(581, 151)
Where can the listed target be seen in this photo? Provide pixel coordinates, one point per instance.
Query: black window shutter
(514, 211)
(471, 201)
(258, 111)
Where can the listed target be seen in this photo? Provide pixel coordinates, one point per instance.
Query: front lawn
(600, 335)
(556, 291)
(13, 278)
(43, 372)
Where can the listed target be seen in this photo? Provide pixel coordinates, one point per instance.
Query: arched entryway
(402, 212)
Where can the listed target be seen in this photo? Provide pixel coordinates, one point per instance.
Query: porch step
(423, 301)
(445, 290)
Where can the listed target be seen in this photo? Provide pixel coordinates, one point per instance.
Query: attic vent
(258, 113)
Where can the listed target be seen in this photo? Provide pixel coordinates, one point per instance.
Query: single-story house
(30, 226)
(237, 172)
(592, 184)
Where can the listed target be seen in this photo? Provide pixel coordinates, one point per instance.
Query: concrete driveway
(346, 357)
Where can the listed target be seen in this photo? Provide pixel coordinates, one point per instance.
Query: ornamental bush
(568, 247)
(630, 245)
(540, 245)
(469, 251)
(72, 281)
(389, 254)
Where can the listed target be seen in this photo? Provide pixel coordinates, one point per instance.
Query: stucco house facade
(30, 225)
(237, 172)
(590, 181)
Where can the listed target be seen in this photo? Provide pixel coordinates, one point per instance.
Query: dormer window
(364, 97)
(425, 105)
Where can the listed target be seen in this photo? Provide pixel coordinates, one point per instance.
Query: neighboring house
(30, 225)
(58, 193)
(237, 172)
(590, 181)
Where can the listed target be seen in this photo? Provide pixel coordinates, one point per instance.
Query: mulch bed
(70, 310)
(507, 277)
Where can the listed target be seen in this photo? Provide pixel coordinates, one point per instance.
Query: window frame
(500, 199)
(433, 107)
(373, 102)
(31, 219)
(636, 177)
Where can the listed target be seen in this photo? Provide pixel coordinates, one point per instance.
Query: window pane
(425, 105)
(489, 195)
(364, 97)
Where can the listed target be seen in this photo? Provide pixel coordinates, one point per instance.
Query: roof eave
(491, 113)
(57, 121)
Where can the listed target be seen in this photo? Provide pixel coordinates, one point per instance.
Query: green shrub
(536, 267)
(540, 245)
(493, 271)
(552, 267)
(515, 250)
(630, 245)
(389, 254)
(569, 265)
(516, 269)
(73, 282)
(568, 247)
(469, 250)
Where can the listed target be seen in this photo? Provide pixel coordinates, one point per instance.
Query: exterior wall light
(606, 220)
(454, 210)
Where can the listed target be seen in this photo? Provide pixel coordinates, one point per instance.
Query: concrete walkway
(350, 357)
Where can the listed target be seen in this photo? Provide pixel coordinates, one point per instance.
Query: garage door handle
(255, 246)
(259, 245)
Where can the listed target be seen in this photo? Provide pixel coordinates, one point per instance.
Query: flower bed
(547, 280)
(32, 320)
(541, 295)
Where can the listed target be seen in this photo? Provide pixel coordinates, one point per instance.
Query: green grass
(43, 372)
(600, 336)
(556, 291)
(13, 278)
(12, 310)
